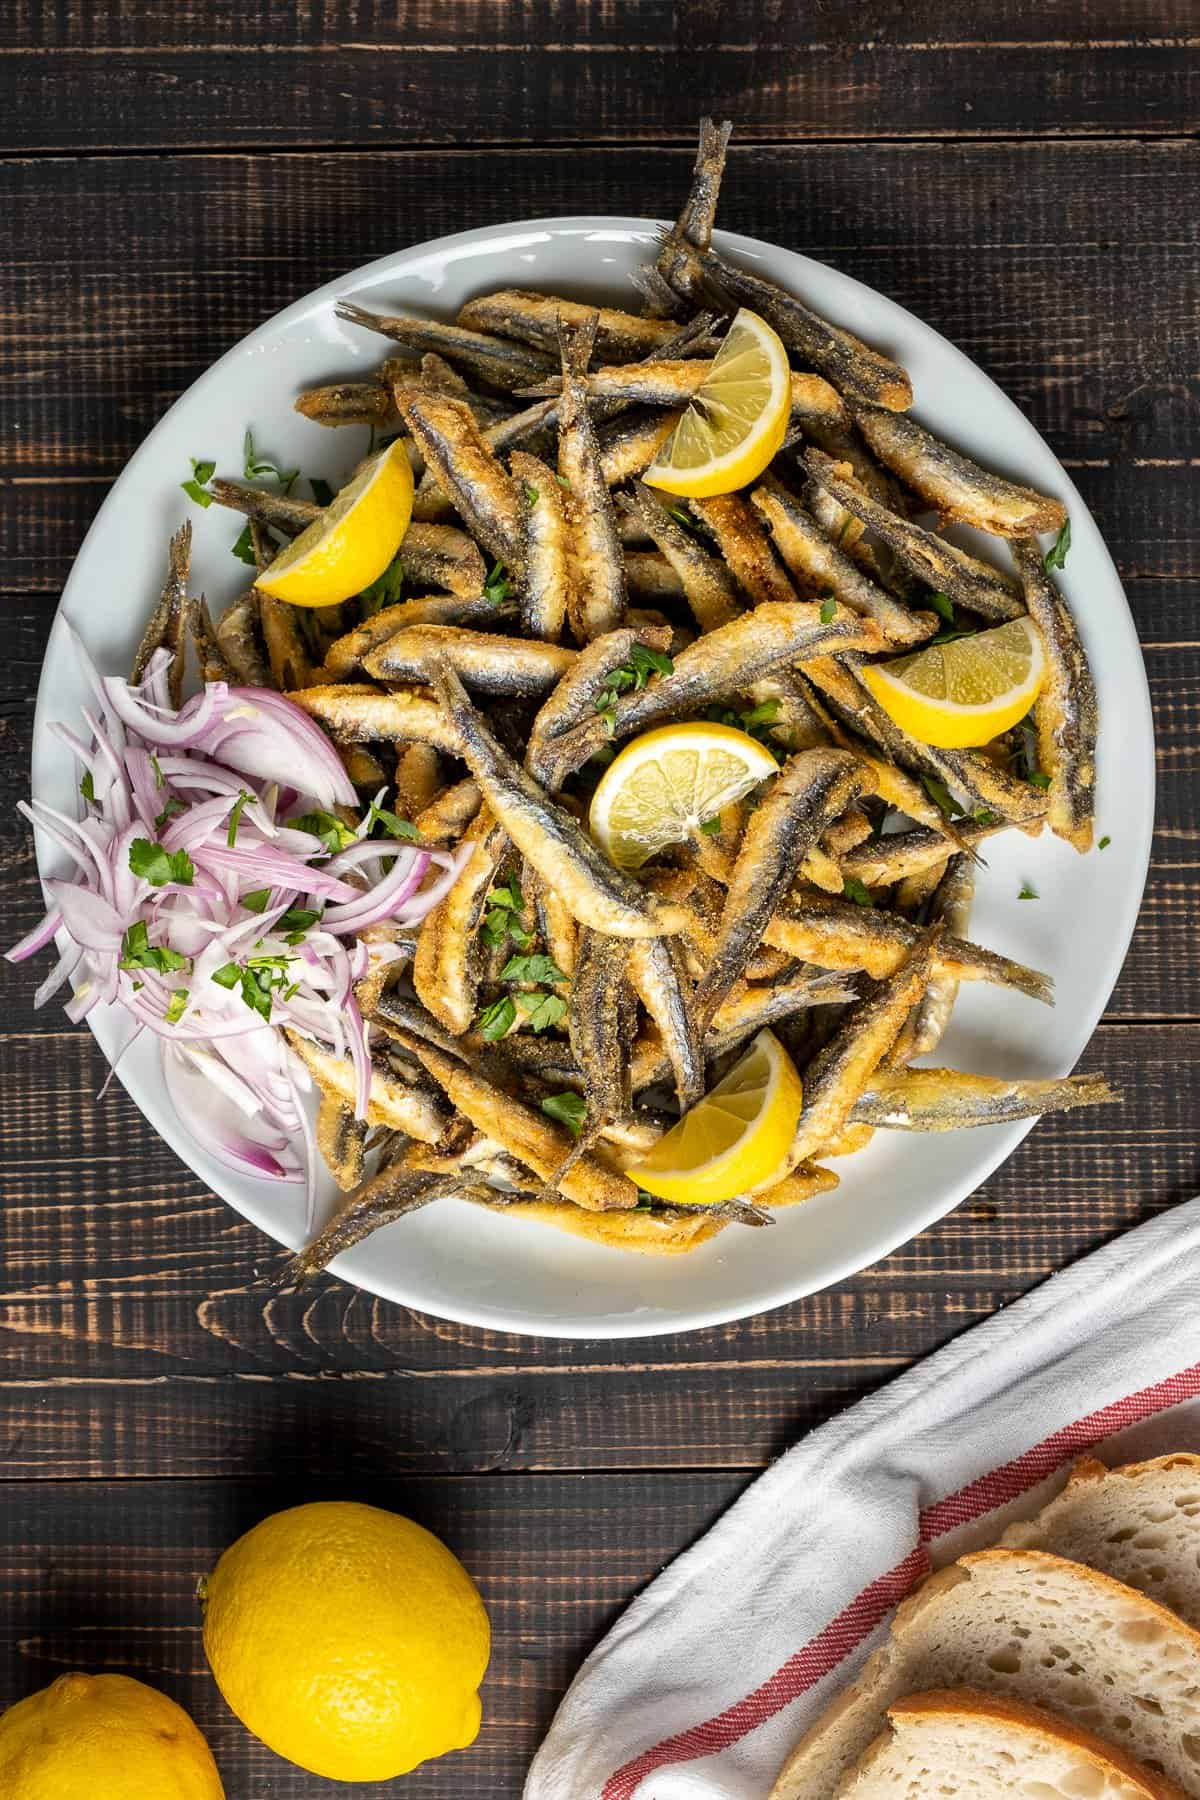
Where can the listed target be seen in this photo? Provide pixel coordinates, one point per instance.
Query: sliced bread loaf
(1140, 1524)
(1040, 1630)
(972, 1746)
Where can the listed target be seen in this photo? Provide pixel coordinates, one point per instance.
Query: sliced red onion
(247, 1148)
(262, 732)
(38, 939)
(398, 885)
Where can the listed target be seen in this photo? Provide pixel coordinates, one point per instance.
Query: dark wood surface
(171, 173)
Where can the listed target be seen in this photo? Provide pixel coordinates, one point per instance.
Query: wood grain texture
(220, 74)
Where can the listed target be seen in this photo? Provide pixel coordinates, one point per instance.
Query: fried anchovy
(341, 1139)
(395, 1015)
(555, 922)
(447, 817)
(968, 581)
(418, 778)
(239, 640)
(694, 226)
(630, 446)
(1065, 711)
(346, 653)
(952, 483)
(391, 1102)
(533, 319)
(819, 566)
(836, 934)
(576, 695)
(746, 1011)
(279, 512)
(658, 972)
(898, 854)
(666, 381)
(725, 662)
(359, 714)
(350, 403)
(893, 785)
(287, 649)
(520, 668)
(853, 367)
(496, 360)
(522, 428)
(528, 1135)
(708, 585)
(546, 590)
(600, 1026)
(949, 905)
(168, 622)
(796, 723)
(839, 1072)
(448, 964)
(444, 557)
(468, 471)
(391, 1194)
(649, 576)
(552, 840)
(598, 586)
(949, 1099)
(214, 664)
(810, 791)
(745, 547)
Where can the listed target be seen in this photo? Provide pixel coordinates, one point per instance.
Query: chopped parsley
(159, 866)
(495, 1020)
(505, 905)
(853, 889)
(1027, 892)
(327, 826)
(569, 1109)
(643, 663)
(1056, 556)
(243, 546)
(160, 779)
(256, 900)
(943, 606)
(176, 1005)
(982, 816)
(711, 827)
(542, 1010)
(386, 589)
(532, 968)
(297, 920)
(941, 796)
(498, 587)
(228, 975)
(531, 493)
(235, 817)
(756, 721)
(828, 608)
(172, 807)
(87, 786)
(391, 822)
(137, 952)
(254, 465)
(1039, 780)
(1104, 843)
(196, 488)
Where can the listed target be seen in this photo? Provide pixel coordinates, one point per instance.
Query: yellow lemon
(348, 1639)
(103, 1737)
(966, 692)
(353, 541)
(666, 784)
(735, 1138)
(736, 421)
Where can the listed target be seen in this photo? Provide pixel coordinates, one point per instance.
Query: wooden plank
(115, 1263)
(482, 74)
(1033, 258)
(103, 1576)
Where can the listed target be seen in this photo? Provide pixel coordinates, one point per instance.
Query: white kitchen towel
(702, 1687)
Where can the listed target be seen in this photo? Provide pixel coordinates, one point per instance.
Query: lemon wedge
(353, 541)
(736, 422)
(733, 1140)
(665, 785)
(963, 693)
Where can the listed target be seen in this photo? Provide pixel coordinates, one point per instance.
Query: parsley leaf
(828, 608)
(392, 823)
(327, 826)
(196, 487)
(228, 975)
(941, 796)
(982, 816)
(1056, 556)
(386, 589)
(497, 1019)
(243, 546)
(646, 662)
(498, 586)
(160, 779)
(235, 817)
(542, 1010)
(943, 606)
(159, 866)
(531, 493)
(137, 952)
(643, 663)
(1104, 843)
(531, 968)
(297, 920)
(173, 806)
(711, 827)
(1037, 779)
(256, 900)
(256, 991)
(502, 920)
(569, 1109)
(176, 1005)
(1027, 892)
(203, 470)
(87, 786)
(853, 889)
(254, 465)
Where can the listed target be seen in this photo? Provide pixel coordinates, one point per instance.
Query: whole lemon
(348, 1639)
(103, 1737)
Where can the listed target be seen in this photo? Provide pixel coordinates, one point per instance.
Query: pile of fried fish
(554, 1014)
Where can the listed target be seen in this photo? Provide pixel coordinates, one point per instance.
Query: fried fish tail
(951, 1100)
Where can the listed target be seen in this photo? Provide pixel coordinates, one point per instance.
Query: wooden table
(172, 173)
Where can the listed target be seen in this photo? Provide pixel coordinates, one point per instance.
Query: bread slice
(1042, 1631)
(971, 1746)
(1140, 1524)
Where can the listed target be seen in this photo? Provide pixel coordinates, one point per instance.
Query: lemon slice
(665, 785)
(963, 693)
(736, 422)
(733, 1140)
(353, 541)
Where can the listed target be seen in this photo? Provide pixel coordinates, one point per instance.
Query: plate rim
(636, 229)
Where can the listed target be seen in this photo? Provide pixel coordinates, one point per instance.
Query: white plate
(454, 1260)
